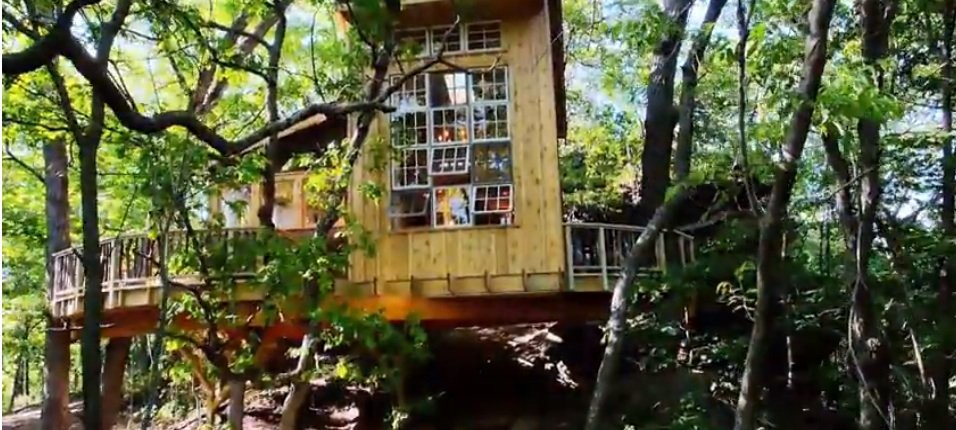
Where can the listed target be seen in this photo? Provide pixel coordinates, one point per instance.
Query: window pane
(454, 39)
(411, 209)
(411, 95)
(449, 160)
(409, 129)
(412, 42)
(492, 162)
(411, 169)
(489, 85)
(450, 125)
(484, 36)
(451, 207)
(490, 122)
(447, 89)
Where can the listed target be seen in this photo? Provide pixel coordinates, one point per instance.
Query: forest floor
(533, 377)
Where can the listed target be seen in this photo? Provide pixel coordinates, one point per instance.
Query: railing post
(114, 270)
(569, 256)
(602, 257)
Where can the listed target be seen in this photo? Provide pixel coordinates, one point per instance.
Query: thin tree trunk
(655, 168)
(688, 93)
(93, 298)
(301, 387)
(938, 414)
(56, 347)
(771, 224)
(237, 402)
(868, 347)
(661, 115)
(117, 355)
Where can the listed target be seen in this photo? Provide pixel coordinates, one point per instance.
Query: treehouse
(469, 229)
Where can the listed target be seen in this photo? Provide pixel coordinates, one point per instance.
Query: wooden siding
(525, 256)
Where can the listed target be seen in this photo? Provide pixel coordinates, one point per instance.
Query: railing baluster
(569, 256)
(602, 257)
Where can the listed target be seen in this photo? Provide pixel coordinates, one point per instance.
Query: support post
(569, 256)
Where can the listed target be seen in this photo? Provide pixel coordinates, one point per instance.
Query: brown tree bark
(868, 347)
(114, 368)
(688, 93)
(661, 116)
(55, 414)
(770, 243)
(237, 403)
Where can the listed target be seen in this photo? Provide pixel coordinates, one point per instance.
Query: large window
(452, 141)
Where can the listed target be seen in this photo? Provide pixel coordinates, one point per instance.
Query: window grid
(450, 160)
(490, 199)
(483, 36)
(456, 40)
(451, 134)
(412, 171)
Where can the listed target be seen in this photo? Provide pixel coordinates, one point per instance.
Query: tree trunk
(662, 83)
(640, 253)
(868, 348)
(301, 387)
(688, 93)
(661, 116)
(237, 403)
(56, 414)
(938, 415)
(771, 224)
(117, 355)
(93, 298)
(56, 347)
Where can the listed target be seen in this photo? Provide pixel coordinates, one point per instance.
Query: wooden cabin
(470, 229)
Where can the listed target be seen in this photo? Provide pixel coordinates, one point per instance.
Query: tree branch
(46, 49)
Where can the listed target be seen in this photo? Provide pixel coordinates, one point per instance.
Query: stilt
(56, 412)
(114, 368)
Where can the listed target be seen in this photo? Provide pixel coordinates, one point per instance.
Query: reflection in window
(489, 85)
(234, 204)
(447, 89)
(492, 163)
(490, 122)
(411, 170)
(452, 207)
(412, 42)
(411, 95)
(411, 209)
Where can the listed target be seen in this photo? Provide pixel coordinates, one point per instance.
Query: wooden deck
(132, 285)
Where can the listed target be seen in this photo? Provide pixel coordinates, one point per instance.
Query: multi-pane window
(472, 37)
(483, 36)
(452, 145)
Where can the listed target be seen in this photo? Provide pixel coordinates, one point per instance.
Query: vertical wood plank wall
(526, 256)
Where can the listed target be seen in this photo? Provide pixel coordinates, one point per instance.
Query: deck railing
(593, 251)
(133, 259)
(597, 249)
